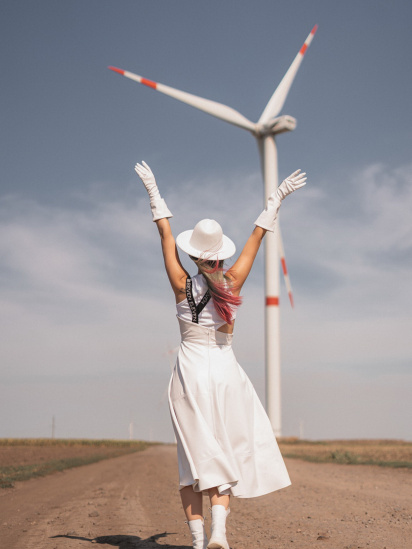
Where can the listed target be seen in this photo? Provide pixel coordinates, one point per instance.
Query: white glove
(267, 219)
(295, 181)
(149, 181)
(158, 205)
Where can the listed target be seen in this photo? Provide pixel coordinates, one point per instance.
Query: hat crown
(207, 236)
(206, 241)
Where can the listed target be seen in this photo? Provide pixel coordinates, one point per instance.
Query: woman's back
(208, 316)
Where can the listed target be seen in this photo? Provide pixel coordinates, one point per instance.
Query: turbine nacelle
(279, 124)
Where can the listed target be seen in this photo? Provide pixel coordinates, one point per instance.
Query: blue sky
(87, 318)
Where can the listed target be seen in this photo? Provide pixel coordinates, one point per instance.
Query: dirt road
(131, 501)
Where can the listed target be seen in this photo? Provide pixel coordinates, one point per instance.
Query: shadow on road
(128, 542)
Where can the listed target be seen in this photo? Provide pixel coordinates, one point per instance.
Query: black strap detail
(195, 309)
(203, 302)
(190, 300)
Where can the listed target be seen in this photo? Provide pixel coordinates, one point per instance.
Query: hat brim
(227, 249)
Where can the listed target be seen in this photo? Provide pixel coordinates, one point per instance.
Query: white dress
(224, 437)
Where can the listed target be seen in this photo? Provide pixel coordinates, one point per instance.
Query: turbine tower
(268, 126)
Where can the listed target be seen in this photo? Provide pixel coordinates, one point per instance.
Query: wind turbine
(268, 126)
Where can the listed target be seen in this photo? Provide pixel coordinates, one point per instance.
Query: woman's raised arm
(175, 270)
(239, 272)
(161, 213)
(265, 222)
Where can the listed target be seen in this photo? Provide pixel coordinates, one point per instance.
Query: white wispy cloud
(83, 290)
(353, 283)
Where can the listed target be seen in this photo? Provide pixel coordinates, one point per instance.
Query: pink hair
(220, 288)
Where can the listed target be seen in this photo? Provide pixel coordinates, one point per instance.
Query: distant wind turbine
(268, 125)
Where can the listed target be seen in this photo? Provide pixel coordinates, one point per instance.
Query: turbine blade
(278, 98)
(284, 268)
(210, 107)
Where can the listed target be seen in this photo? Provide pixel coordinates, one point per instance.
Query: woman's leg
(192, 503)
(220, 511)
(218, 499)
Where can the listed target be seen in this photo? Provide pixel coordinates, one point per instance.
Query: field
(386, 453)
(21, 459)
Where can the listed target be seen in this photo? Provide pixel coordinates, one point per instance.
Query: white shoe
(218, 537)
(197, 529)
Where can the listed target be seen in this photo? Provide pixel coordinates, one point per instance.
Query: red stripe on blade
(315, 28)
(149, 83)
(272, 301)
(115, 69)
(283, 262)
(303, 49)
(291, 299)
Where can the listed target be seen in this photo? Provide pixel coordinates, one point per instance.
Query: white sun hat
(206, 241)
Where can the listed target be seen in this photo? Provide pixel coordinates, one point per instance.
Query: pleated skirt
(224, 437)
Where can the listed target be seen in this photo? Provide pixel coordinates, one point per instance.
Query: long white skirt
(224, 437)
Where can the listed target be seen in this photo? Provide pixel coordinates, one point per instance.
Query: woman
(225, 442)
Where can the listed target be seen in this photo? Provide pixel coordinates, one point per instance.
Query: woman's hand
(267, 219)
(158, 205)
(148, 179)
(295, 181)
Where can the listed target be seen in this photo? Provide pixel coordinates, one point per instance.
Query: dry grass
(67, 442)
(386, 453)
(22, 459)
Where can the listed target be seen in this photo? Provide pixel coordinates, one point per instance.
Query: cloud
(84, 291)
(366, 246)
(353, 291)
(67, 303)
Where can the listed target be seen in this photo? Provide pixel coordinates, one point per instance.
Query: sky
(88, 328)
